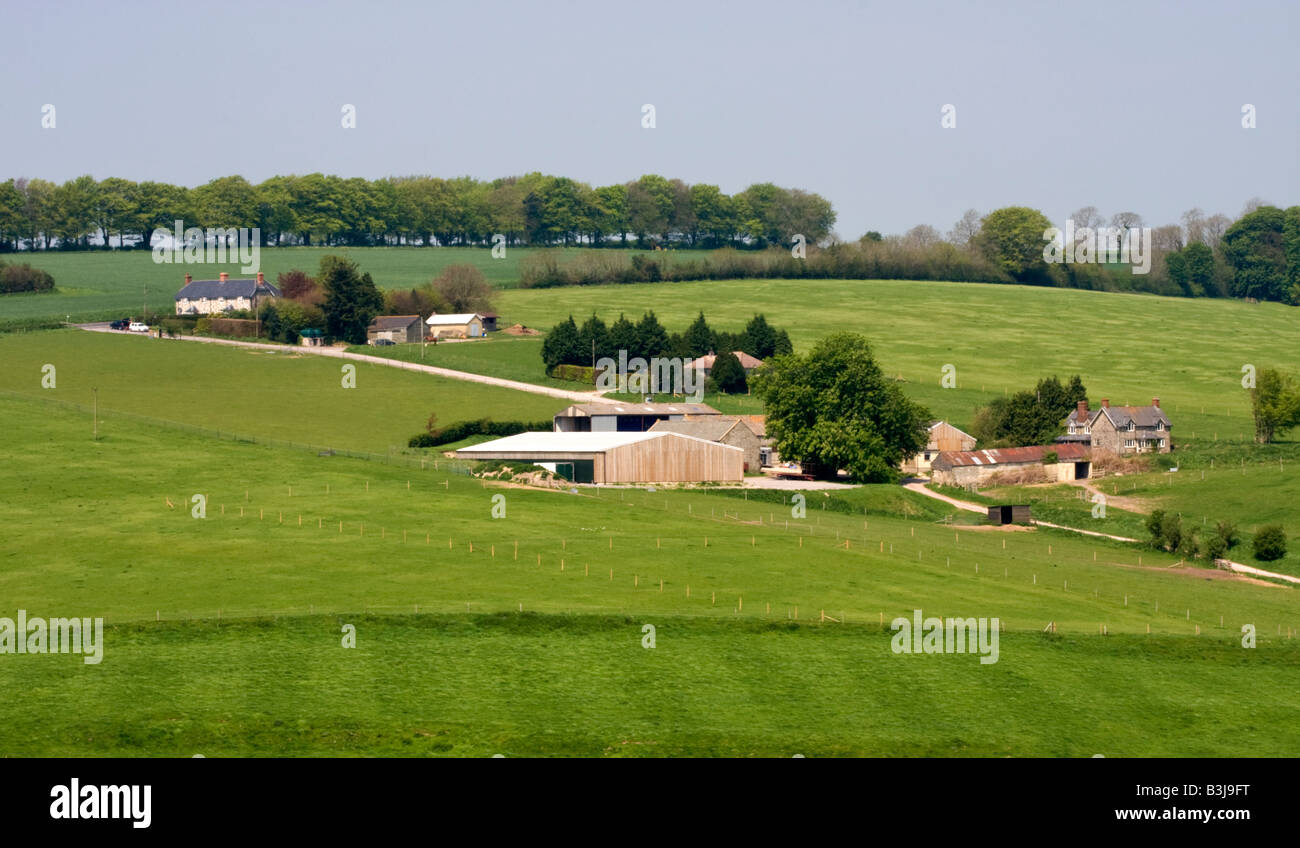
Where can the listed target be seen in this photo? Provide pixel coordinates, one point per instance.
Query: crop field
(468, 652)
(99, 284)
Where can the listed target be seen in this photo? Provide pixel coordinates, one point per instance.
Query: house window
(1162, 443)
(1128, 443)
(1071, 429)
(1160, 425)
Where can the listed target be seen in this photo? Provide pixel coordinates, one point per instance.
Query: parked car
(384, 342)
(138, 327)
(120, 324)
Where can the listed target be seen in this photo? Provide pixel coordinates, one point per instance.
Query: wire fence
(398, 456)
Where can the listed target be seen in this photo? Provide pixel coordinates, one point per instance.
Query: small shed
(1010, 514)
(312, 337)
(462, 325)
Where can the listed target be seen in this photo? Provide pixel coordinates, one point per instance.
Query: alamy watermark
(946, 636)
(1088, 245)
(54, 636)
(213, 246)
(659, 375)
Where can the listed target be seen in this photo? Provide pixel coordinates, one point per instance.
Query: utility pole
(95, 407)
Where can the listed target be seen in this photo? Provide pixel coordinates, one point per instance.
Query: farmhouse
(1054, 463)
(724, 429)
(624, 417)
(613, 457)
(211, 297)
(403, 329)
(749, 363)
(1120, 429)
(943, 437)
(462, 325)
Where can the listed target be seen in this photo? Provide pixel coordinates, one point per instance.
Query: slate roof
(393, 322)
(1120, 416)
(213, 289)
(712, 429)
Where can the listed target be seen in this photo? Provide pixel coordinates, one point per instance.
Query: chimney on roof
(1082, 413)
(1155, 402)
(188, 278)
(224, 276)
(260, 278)
(1105, 402)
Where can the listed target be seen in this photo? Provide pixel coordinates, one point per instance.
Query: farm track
(1237, 567)
(577, 397)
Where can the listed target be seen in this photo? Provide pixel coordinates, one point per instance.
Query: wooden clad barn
(727, 429)
(1051, 463)
(613, 457)
(943, 437)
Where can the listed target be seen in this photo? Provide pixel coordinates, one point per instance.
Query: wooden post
(516, 549)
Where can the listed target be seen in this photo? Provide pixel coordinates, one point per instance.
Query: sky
(1126, 106)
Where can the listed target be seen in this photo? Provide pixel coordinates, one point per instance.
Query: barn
(625, 417)
(941, 437)
(614, 457)
(1053, 463)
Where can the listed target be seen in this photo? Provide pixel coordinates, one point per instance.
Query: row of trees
(534, 209)
(1257, 256)
(569, 344)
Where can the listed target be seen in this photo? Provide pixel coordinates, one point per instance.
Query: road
(338, 353)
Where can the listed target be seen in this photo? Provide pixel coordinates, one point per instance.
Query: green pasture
(470, 653)
(284, 395)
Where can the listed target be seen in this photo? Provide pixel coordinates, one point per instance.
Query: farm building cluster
(625, 443)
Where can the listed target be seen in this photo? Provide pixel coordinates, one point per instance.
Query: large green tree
(351, 299)
(835, 409)
(1013, 239)
(1275, 402)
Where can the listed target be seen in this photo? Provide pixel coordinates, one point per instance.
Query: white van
(138, 327)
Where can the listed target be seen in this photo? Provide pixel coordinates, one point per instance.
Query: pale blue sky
(1125, 106)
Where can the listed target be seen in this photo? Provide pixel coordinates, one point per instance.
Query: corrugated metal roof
(1004, 456)
(639, 409)
(552, 442)
(458, 318)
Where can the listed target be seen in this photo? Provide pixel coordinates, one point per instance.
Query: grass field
(241, 616)
(287, 395)
(92, 285)
(223, 634)
(999, 338)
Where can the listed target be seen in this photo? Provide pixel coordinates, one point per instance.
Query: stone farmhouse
(1120, 429)
(213, 297)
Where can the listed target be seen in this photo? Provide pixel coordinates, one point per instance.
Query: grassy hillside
(288, 396)
(999, 338)
(241, 616)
